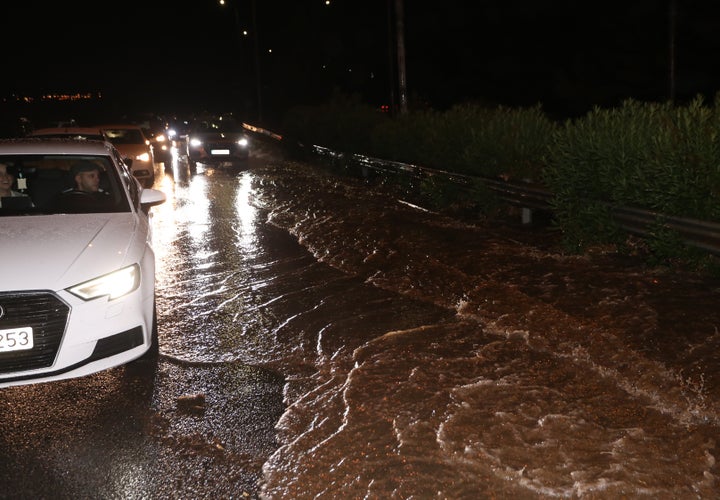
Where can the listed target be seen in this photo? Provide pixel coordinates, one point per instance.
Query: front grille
(47, 314)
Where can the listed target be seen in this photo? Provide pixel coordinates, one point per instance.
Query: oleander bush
(654, 156)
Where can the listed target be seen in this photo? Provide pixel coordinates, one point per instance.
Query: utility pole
(400, 42)
(392, 67)
(672, 17)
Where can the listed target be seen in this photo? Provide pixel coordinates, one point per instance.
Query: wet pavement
(140, 432)
(320, 339)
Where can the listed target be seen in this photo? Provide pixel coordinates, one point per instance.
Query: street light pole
(258, 80)
(256, 48)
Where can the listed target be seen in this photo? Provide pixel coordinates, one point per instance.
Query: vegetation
(656, 156)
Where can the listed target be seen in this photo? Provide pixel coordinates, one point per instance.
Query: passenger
(6, 182)
(86, 195)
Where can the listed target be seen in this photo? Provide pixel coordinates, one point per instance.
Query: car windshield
(217, 126)
(124, 136)
(88, 137)
(40, 180)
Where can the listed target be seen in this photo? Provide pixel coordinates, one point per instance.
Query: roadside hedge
(657, 156)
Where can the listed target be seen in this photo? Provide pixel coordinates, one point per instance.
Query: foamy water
(431, 358)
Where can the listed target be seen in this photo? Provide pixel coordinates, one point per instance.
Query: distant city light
(57, 96)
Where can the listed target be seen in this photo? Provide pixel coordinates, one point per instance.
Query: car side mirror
(151, 197)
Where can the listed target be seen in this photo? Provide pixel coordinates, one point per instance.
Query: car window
(127, 179)
(89, 137)
(214, 126)
(230, 126)
(125, 136)
(42, 179)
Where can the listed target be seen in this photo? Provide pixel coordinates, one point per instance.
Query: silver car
(136, 148)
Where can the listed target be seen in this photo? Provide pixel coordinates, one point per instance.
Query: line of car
(78, 289)
(213, 140)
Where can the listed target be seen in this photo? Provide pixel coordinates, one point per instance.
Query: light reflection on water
(427, 358)
(246, 215)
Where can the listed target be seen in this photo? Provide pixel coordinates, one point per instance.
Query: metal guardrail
(695, 233)
(699, 234)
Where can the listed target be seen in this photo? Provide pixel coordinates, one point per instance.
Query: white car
(132, 143)
(77, 290)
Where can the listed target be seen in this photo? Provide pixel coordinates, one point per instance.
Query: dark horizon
(565, 57)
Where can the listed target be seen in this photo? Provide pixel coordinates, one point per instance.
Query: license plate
(220, 151)
(16, 339)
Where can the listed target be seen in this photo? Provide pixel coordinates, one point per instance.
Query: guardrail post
(526, 215)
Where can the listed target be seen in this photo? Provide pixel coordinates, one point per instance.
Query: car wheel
(193, 165)
(154, 337)
(154, 351)
(146, 365)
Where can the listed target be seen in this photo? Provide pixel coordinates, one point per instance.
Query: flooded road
(431, 358)
(322, 339)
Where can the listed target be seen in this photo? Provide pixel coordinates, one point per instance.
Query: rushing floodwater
(431, 358)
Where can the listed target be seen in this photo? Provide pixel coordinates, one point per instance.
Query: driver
(86, 195)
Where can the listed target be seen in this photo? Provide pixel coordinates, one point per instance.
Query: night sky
(162, 55)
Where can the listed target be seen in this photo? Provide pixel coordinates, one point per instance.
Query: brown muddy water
(428, 357)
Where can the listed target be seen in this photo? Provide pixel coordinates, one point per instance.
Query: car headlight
(243, 142)
(113, 285)
(195, 142)
(143, 157)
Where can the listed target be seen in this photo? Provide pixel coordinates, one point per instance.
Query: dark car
(162, 145)
(217, 141)
(177, 129)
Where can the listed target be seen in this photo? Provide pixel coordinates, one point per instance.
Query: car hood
(58, 251)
